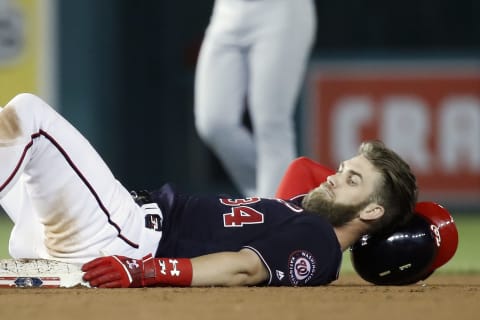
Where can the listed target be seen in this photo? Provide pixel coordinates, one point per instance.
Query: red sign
(429, 115)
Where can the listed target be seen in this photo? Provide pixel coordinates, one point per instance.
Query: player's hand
(114, 272)
(124, 272)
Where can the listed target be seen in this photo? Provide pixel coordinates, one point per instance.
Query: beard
(317, 201)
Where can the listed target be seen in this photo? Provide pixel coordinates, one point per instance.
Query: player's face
(346, 192)
(353, 183)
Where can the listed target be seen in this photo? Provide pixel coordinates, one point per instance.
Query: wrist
(167, 272)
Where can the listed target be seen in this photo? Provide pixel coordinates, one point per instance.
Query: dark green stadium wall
(126, 72)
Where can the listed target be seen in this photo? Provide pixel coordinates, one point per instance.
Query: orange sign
(430, 116)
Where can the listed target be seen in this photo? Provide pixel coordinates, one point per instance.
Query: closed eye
(353, 180)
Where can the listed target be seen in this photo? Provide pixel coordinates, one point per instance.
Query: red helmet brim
(443, 227)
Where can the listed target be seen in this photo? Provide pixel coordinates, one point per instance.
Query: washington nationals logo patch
(301, 267)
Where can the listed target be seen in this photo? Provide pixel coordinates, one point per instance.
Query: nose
(331, 180)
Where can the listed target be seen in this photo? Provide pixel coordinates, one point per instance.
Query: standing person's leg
(65, 187)
(278, 59)
(220, 89)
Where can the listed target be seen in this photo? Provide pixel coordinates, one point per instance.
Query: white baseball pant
(63, 199)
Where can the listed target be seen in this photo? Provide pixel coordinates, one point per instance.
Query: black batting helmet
(412, 252)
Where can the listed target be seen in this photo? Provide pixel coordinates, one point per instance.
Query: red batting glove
(124, 272)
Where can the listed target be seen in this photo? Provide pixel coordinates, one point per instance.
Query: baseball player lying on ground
(66, 205)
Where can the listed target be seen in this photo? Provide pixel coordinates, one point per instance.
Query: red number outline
(239, 202)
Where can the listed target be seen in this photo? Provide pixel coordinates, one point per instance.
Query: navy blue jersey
(298, 248)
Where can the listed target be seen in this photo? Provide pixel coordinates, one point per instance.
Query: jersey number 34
(240, 214)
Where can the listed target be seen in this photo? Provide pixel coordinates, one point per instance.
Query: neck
(349, 233)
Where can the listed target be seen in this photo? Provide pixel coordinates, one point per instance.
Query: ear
(372, 211)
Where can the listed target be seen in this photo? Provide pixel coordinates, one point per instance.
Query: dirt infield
(440, 297)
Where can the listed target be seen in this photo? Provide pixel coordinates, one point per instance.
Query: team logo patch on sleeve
(301, 267)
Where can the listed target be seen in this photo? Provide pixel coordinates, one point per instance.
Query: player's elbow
(251, 272)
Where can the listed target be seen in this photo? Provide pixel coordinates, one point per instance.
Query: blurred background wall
(122, 72)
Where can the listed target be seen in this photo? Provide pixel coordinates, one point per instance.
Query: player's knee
(27, 103)
(23, 99)
(9, 125)
(210, 129)
(20, 110)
